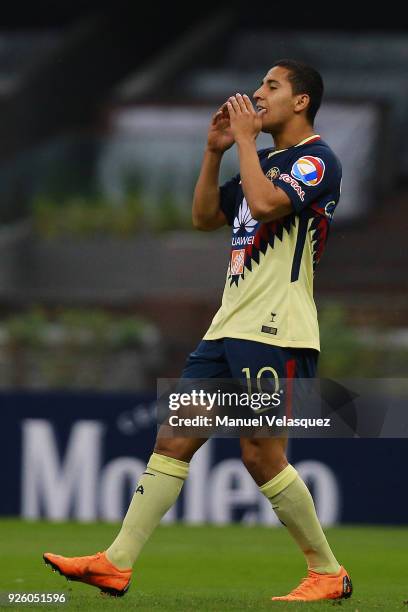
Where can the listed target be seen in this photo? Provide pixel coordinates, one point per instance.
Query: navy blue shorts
(235, 358)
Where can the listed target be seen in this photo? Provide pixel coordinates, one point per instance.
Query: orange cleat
(320, 586)
(96, 570)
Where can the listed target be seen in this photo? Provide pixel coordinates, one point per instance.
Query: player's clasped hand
(220, 136)
(245, 122)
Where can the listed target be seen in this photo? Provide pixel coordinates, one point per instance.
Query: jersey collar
(299, 144)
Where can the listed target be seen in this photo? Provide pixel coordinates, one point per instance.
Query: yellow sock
(293, 504)
(157, 490)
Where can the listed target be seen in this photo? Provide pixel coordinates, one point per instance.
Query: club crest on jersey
(244, 221)
(273, 173)
(309, 170)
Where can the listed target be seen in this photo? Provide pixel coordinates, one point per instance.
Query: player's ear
(301, 102)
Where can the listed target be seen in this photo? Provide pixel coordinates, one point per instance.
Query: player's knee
(182, 449)
(251, 455)
(262, 457)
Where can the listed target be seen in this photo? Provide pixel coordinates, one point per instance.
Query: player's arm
(207, 214)
(266, 201)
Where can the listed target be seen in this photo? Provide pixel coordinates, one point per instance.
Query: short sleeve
(228, 198)
(311, 176)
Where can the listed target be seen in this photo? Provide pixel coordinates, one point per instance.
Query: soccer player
(280, 207)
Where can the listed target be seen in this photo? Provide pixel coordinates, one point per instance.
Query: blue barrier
(68, 455)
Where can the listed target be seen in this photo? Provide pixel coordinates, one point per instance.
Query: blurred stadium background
(104, 287)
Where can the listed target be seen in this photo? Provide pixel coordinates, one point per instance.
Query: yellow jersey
(268, 294)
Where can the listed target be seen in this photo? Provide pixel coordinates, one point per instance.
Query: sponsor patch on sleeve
(293, 183)
(309, 170)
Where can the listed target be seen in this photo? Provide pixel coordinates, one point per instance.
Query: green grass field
(207, 568)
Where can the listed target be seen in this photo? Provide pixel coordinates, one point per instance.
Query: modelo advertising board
(79, 456)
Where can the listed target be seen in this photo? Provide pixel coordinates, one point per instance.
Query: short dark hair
(304, 79)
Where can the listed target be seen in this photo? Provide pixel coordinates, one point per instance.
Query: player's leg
(167, 469)
(265, 459)
(157, 490)
(290, 498)
(293, 504)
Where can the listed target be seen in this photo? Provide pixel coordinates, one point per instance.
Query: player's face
(276, 96)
